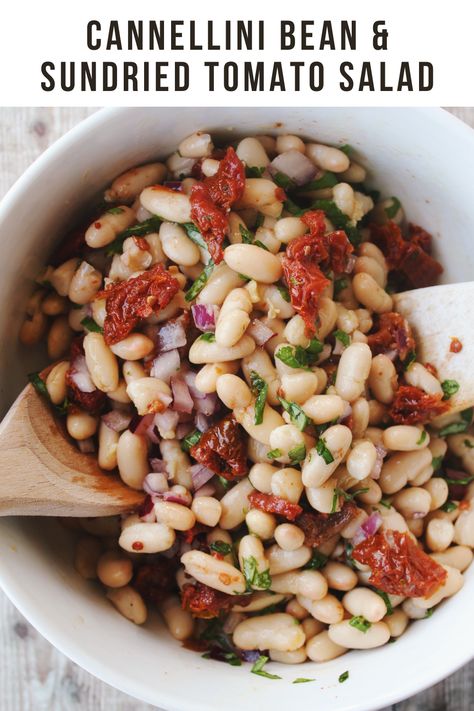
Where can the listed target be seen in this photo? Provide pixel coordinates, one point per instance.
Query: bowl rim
(12, 586)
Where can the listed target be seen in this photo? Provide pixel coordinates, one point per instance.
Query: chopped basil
(454, 428)
(194, 234)
(294, 209)
(360, 623)
(385, 503)
(339, 285)
(208, 336)
(221, 547)
(247, 236)
(392, 209)
(291, 357)
(284, 293)
(467, 443)
(143, 228)
(297, 454)
(244, 276)
(40, 387)
(448, 506)
(467, 414)
(225, 483)
(386, 600)
(339, 219)
(318, 560)
(374, 194)
(258, 668)
(436, 462)
(422, 438)
(409, 360)
(254, 171)
(283, 181)
(274, 453)
(91, 325)
(346, 148)
(222, 646)
(296, 414)
(254, 579)
(313, 350)
(301, 680)
(450, 387)
(260, 389)
(343, 337)
(348, 548)
(327, 180)
(200, 282)
(190, 440)
(115, 211)
(260, 244)
(343, 677)
(260, 220)
(323, 451)
(345, 495)
(461, 482)
(429, 613)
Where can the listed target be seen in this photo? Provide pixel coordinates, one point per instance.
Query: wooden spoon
(42, 473)
(438, 314)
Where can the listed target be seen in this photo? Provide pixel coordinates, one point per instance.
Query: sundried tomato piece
(389, 239)
(306, 283)
(331, 250)
(205, 602)
(393, 334)
(419, 236)
(398, 565)
(210, 220)
(455, 346)
(227, 185)
(222, 449)
(155, 581)
(320, 527)
(412, 405)
(90, 402)
(274, 505)
(340, 250)
(419, 267)
(129, 301)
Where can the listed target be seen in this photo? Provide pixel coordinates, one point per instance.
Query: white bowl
(423, 156)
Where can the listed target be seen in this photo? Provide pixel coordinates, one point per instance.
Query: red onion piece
(205, 316)
(295, 165)
(202, 422)
(207, 405)
(339, 347)
(165, 365)
(206, 490)
(143, 214)
(190, 378)
(182, 400)
(260, 332)
(141, 425)
(155, 483)
(350, 264)
(167, 422)
(174, 498)
(80, 375)
(152, 433)
(116, 420)
(200, 475)
(86, 446)
(181, 165)
(183, 429)
(158, 465)
(381, 454)
(367, 529)
(170, 336)
(146, 510)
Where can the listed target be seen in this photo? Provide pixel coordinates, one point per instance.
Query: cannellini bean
(321, 498)
(297, 386)
(261, 523)
(222, 280)
(327, 157)
(180, 622)
(211, 352)
(368, 265)
(127, 186)
(297, 656)
(252, 153)
(62, 276)
(438, 490)
(176, 516)
(361, 459)
(288, 536)
(310, 584)
(451, 586)
(84, 284)
(345, 635)
(464, 527)
(108, 441)
(214, 572)
(289, 143)
(354, 174)
(253, 261)
(311, 627)
(327, 317)
(101, 362)
(80, 425)
(133, 371)
(383, 379)
(315, 469)
(56, 382)
(353, 371)
(105, 228)
(132, 459)
(343, 196)
(360, 417)
(397, 622)
(295, 332)
(207, 376)
(177, 246)
(114, 570)
(147, 538)
(235, 504)
(129, 603)
(207, 510)
(197, 145)
(286, 483)
(282, 561)
(171, 205)
(134, 347)
(276, 631)
(149, 395)
(263, 195)
(412, 610)
(412, 501)
(324, 408)
(328, 609)
(287, 438)
(365, 602)
(271, 419)
(418, 376)
(233, 318)
(405, 438)
(370, 294)
(321, 648)
(459, 557)
(251, 551)
(339, 576)
(372, 495)
(439, 534)
(288, 228)
(177, 462)
(87, 553)
(401, 467)
(258, 601)
(260, 362)
(261, 477)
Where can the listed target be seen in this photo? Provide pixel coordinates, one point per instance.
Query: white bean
(132, 459)
(177, 246)
(129, 603)
(370, 294)
(254, 262)
(147, 538)
(105, 228)
(134, 347)
(405, 438)
(171, 205)
(345, 635)
(316, 470)
(214, 572)
(101, 362)
(276, 631)
(211, 352)
(149, 395)
(235, 504)
(84, 284)
(321, 648)
(365, 602)
(197, 145)
(353, 371)
(327, 157)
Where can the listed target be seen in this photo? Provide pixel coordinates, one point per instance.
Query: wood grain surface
(33, 675)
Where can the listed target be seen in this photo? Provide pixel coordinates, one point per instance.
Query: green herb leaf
(221, 547)
(467, 443)
(91, 325)
(254, 171)
(301, 680)
(247, 236)
(38, 384)
(274, 453)
(296, 414)
(244, 277)
(190, 440)
(260, 389)
(339, 219)
(346, 148)
(343, 337)
(467, 414)
(283, 181)
(339, 285)
(323, 451)
(294, 209)
(450, 387)
(392, 209)
(317, 561)
(429, 613)
(143, 228)
(360, 623)
(254, 579)
(260, 244)
(258, 668)
(115, 211)
(409, 360)
(386, 600)
(284, 293)
(462, 482)
(194, 234)
(448, 506)
(346, 495)
(422, 438)
(453, 428)
(436, 463)
(200, 282)
(291, 357)
(297, 454)
(225, 483)
(385, 503)
(208, 336)
(314, 350)
(343, 677)
(260, 220)
(327, 180)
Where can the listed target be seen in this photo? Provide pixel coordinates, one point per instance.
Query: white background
(419, 30)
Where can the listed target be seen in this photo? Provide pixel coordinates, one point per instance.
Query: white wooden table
(33, 675)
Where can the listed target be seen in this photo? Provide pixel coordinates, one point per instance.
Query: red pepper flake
(393, 334)
(319, 527)
(142, 244)
(456, 345)
(155, 581)
(431, 369)
(137, 546)
(274, 505)
(464, 505)
(196, 530)
(90, 402)
(205, 602)
(129, 301)
(212, 199)
(222, 449)
(412, 405)
(398, 565)
(280, 195)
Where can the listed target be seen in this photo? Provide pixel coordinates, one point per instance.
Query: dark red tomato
(393, 334)
(129, 301)
(142, 244)
(227, 186)
(91, 402)
(398, 565)
(223, 449)
(331, 250)
(412, 405)
(205, 602)
(319, 527)
(389, 239)
(418, 267)
(155, 581)
(211, 221)
(419, 236)
(274, 505)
